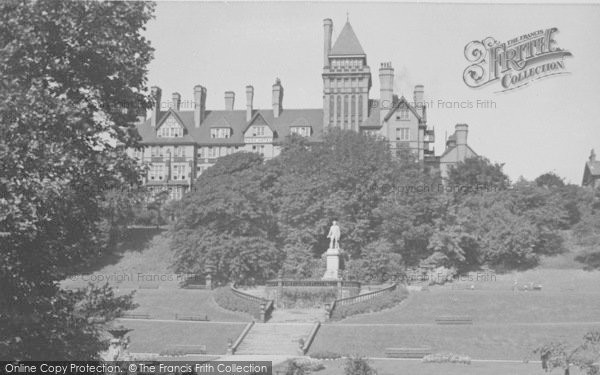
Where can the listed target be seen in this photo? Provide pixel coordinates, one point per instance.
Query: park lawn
(155, 336)
(165, 303)
(416, 367)
(489, 306)
(500, 342)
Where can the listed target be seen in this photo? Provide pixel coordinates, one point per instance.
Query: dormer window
(170, 129)
(220, 132)
(303, 131)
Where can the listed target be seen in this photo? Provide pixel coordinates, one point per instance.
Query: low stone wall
(287, 293)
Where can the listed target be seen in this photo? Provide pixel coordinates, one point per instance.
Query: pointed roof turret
(347, 43)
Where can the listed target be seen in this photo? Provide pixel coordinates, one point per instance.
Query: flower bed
(447, 358)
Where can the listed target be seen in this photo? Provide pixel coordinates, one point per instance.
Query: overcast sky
(550, 125)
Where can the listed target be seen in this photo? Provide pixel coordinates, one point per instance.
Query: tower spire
(347, 17)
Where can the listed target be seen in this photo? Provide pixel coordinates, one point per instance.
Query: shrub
(302, 366)
(385, 301)
(325, 355)
(447, 358)
(358, 366)
(225, 298)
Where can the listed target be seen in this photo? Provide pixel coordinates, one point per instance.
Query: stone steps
(298, 315)
(274, 339)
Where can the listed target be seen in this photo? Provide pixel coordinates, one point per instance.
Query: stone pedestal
(333, 264)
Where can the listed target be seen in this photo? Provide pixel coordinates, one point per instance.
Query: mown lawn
(566, 296)
(507, 342)
(488, 306)
(165, 303)
(154, 337)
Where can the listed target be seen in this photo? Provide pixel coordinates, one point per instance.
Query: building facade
(178, 145)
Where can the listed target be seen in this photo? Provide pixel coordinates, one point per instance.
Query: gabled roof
(259, 120)
(166, 116)
(405, 103)
(593, 167)
(236, 120)
(347, 43)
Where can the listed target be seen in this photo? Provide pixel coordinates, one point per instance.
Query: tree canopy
(73, 76)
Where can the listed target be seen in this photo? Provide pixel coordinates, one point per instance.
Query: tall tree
(226, 223)
(72, 81)
(478, 171)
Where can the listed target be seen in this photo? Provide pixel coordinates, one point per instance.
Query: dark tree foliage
(550, 180)
(478, 171)
(68, 71)
(226, 223)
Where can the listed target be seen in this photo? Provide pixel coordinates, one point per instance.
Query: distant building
(591, 172)
(178, 144)
(457, 150)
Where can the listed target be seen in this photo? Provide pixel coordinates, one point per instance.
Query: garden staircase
(298, 315)
(274, 339)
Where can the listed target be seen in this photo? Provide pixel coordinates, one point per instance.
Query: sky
(549, 125)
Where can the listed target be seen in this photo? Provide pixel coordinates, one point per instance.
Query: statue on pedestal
(334, 236)
(333, 253)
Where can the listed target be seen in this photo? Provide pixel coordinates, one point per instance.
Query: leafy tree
(358, 366)
(233, 163)
(379, 263)
(587, 232)
(340, 178)
(227, 224)
(549, 180)
(73, 76)
(478, 171)
(585, 356)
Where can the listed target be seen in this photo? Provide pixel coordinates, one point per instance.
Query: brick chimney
(328, 26)
(418, 98)
(461, 131)
(277, 98)
(199, 104)
(176, 101)
(386, 83)
(249, 100)
(156, 94)
(229, 100)
(592, 156)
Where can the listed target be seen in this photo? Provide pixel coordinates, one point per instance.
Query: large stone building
(178, 145)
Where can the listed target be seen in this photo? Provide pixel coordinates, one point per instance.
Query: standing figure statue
(334, 236)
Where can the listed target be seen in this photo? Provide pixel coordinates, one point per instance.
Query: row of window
(160, 151)
(215, 152)
(347, 63)
(341, 83)
(351, 109)
(304, 131)
(220, 132)
(158, 172)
